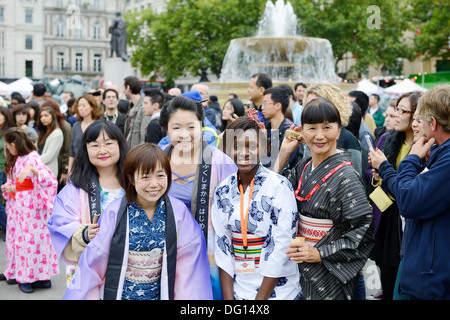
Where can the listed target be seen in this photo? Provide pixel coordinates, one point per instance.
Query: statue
(118, 32)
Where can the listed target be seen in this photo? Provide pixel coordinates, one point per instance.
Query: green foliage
(193, 36)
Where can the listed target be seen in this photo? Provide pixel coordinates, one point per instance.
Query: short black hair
(320, 110)
(156, 96)
(299, 84)
(39, 89)
(362, 100)
(279, 95)
(376, 96)
(110, 90)
(182, 103)
(263, 80)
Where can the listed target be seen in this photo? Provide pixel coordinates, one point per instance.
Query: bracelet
(85, 236)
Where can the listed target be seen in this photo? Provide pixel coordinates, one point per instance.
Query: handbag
(381, 199)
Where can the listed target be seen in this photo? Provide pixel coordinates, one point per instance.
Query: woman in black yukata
(335, 216)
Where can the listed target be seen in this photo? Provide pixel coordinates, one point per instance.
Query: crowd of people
(145, 194)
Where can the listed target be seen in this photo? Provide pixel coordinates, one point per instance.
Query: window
(2, 67)
(29, 68)
(97, 63)
(97, 30)
(29, 42)
(60, 29)
(79, 62)
(2, 14)
(28, 15)
(60, 61)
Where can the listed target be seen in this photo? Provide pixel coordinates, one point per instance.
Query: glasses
(267, 103)
(94, 146)
(401, 111)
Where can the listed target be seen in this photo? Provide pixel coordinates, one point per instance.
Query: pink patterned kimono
(30, 255)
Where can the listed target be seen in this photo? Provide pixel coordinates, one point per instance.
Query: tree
(191, 37)
(431, 24)
(371, 30)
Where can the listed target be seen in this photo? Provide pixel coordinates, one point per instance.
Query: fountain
(278, 51)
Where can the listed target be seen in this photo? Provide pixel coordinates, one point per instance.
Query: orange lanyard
(244, 219)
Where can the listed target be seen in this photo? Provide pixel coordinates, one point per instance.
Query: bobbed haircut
(321, 110)
(144, 158)
(82, 167)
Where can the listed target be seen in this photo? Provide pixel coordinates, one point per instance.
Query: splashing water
(278, 51)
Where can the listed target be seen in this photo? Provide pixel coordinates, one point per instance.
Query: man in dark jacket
(423, 199)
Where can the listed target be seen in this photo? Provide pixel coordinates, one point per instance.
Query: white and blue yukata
(272, 224)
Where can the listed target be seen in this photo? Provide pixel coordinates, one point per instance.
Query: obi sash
(26, 185)
(313, 229)
(254, 246)
(144, 266)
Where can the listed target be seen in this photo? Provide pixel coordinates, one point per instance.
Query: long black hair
(82, 169)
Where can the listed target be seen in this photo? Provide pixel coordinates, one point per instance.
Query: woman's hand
(23, 175)
(303, 252)
(287, 147)
(376, 158)
(92, 231)
(6, 188)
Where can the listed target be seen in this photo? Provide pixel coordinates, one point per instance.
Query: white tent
(23, 86)
(368, 87)
(404, 86)
(4, 89)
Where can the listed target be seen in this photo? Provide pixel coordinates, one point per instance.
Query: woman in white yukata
(254, 227)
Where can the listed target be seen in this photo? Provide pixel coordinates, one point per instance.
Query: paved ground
(12, 292)
(56, 292)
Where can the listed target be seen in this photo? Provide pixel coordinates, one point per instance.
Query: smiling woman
(95, 181)
(329, 194)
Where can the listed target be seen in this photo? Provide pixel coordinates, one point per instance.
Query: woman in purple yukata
(149, 246)
(197, 169)
(95, 181)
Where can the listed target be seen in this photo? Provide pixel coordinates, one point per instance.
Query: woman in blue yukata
(254, 215)
(149, 246)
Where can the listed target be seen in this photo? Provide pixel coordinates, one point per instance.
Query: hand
(24, 173)
(376, 158)
(422, 147)
(288, 146)
(63, 178)
(303, 252)
(375, 176)
(6, 188)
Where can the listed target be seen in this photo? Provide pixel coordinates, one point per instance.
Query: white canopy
(404, 86)
(368, 87)
(4, 89)
(23, 86)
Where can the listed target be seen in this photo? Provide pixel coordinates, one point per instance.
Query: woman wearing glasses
(388, 226)
(95, 181)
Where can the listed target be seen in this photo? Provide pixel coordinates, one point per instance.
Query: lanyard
(317, 186)
(244, 219)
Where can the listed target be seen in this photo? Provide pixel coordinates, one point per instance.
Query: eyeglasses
(267, 103)
(401, 111)
(94, 146)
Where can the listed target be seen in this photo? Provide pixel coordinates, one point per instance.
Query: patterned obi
(313, 229)
(144, 266)
(254, 246)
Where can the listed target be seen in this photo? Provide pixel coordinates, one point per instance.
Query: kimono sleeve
(65, 219)
(283, 215)
(89, 276)
(192, 279)
(45, 184)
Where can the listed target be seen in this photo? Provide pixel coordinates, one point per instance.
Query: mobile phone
(369, 142)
